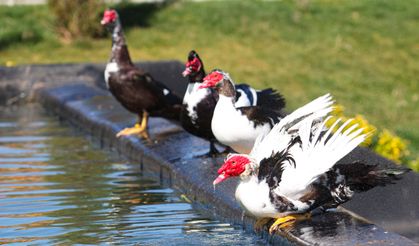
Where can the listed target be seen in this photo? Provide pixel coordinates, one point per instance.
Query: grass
(365, 53)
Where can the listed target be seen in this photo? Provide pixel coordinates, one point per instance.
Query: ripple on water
(56, 189)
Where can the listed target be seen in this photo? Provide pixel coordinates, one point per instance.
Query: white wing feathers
(315, 109)
(317, 155)
(280, 135)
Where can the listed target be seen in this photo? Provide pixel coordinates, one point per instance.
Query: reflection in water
(54, 188)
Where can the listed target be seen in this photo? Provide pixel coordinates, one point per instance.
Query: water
(55, 188)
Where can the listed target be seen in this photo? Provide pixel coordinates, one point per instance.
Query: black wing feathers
(271, 170)
(261, 115)
(362, 177)
(343, 179)
(271, 98)
(138, 91)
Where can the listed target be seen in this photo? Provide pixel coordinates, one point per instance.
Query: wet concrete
(78, 96)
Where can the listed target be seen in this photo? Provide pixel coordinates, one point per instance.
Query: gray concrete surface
(75, 92)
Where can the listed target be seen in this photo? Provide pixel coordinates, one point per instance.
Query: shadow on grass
(139, 14)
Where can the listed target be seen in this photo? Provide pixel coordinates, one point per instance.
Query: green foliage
(77, 18)
(414, 164)
(22, 25)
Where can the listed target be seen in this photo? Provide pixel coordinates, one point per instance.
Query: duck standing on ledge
(135, 89)
(293, 169)
(199, 104)
(238, 127)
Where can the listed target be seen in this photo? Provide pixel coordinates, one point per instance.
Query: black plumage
(261, 115)
(138, 91)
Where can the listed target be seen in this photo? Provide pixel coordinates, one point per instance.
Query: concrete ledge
(78, 99)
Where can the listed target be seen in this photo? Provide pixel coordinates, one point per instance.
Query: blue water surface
(56, 188)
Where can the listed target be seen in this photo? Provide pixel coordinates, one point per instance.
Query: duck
(199, 104)
(239, 126)
(293, 169)
(135, 89)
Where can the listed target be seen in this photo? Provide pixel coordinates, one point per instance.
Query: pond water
(56, 188)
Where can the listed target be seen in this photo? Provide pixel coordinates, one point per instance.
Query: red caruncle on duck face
(233, 166)
(192, 66)
(212, 79)
(109, 16)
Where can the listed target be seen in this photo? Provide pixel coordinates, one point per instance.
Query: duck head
(110, 18)
(235, 165)
(194, 67)
(214, 79)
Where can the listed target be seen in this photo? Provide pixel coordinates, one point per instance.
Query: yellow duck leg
(138, 128)
(288, 220)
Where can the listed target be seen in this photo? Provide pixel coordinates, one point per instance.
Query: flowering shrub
(369, 129)
(385, 144)
(391, 146)
(338, 110)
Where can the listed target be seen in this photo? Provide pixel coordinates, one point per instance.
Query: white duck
(235, 126)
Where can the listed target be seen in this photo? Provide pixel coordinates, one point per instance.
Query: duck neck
(120, 53)
(198, 76)
(227, 89)
(250, 172)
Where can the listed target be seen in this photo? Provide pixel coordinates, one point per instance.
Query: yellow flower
(368, 129)
(387, 145)
(10, 63)
(391, 146)
(338, 110)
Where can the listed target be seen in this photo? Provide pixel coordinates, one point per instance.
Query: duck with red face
(135, 89)
(235, 126)
(292, 170)
(198, 105)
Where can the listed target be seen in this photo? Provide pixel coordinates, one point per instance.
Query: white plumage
(234, 129)
(111, 67)
(315, 156)
(194, 95)
(278, 138)
(243, 100)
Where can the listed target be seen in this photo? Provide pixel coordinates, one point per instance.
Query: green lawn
(365, 53)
